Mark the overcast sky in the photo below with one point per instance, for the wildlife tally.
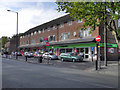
(31, 14)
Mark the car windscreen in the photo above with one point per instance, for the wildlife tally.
(52, 54)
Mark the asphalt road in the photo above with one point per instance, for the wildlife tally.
(17, 74)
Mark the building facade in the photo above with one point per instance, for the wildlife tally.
(64, 36)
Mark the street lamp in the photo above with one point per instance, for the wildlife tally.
(16, 32)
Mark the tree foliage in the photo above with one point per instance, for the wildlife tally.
(93, 13)
(4, 40)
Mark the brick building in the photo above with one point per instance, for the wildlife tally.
(65, 35)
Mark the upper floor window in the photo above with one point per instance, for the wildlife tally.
(31, 34)
(61, 25)
(33, 41)
(27, 42)
(43, 30)
(35, 32)
(119, 23)
(48, 29)
(69, 23)
(51, 38)
(84, 33)
(41, 39)
(79, 21)
(54, 27)
(65, 36)
(22, 43)
(21, 37)
(39, 31)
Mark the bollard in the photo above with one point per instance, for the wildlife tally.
(96, 65)
(39, 59)
(26, 58)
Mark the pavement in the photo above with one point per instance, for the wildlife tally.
(89, 66)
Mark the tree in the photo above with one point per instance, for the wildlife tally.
(94, 13)
(4, 40)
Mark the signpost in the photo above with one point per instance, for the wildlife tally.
(92, 50)
(47, 44)
(98, 39)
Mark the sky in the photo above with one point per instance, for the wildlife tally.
(30, 14)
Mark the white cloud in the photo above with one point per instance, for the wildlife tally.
(30, 15)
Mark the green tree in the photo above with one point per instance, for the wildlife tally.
(4, 40)
(94, 13)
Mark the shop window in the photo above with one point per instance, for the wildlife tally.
(68, 50)
(65, 36)
(82, 50)
(86, 56)
(86, 50)
(51, 38)
(62, 50)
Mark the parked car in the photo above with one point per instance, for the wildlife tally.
(70, 57)
(38, 54)
(29, 54)
(50, 56)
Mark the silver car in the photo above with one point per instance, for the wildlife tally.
(50, 56)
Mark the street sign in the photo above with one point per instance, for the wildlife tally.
(98, 38)
(92, 48)
(47, 43)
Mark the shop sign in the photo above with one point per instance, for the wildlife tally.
(92, 48)
(110, 50)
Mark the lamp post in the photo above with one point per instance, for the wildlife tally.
(16, 32)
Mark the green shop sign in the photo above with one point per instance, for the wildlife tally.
(81, 45)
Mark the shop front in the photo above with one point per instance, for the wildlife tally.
(89, 50)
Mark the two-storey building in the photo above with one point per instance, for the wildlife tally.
(64, 36)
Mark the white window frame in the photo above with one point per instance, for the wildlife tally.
(35, 32)
(42, 39)
(61, 25)
(54, 27)
(69, 23)
(39, 31)
(32, 41)
(26, 42)
(43, 30)
(78, 21)
(48, 29)
(53, 36)
(64, 37)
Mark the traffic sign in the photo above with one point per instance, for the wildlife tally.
(98, 38)
(47, 43)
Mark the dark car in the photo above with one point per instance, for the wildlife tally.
(70, 57)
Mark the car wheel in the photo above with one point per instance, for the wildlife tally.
(62, 59)
(73, 60)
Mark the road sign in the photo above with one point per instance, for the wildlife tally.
(92, 48)
(47, 43)
(98, 38)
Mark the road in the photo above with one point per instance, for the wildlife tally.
(17, 74)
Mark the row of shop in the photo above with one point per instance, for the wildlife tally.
(89, 50)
